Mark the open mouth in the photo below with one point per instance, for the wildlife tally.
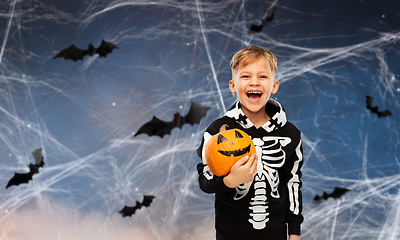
(238, 152)
(254, 95)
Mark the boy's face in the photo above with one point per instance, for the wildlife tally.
(253, 85)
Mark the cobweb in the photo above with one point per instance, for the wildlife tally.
(84, 114)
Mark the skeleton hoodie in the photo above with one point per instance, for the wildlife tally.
(270, 206)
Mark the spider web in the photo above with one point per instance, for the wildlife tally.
(84, 114)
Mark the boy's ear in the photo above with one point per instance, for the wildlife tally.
(232, 86)
(275, 87)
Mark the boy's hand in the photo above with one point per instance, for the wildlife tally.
(242, 171)
(294, 237)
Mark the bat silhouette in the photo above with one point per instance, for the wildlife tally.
(129, 211)
(160, 128)
(20, 178)
(384, 113)
(264, 22)
(76, 54)
(337, 193)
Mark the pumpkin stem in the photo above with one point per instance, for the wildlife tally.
(223, 128)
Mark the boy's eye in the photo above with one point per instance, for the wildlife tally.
(245, 76)
(263, 76)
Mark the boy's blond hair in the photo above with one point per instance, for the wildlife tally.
(251, 54)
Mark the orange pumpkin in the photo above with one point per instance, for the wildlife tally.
(226, 148)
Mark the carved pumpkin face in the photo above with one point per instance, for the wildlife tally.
(226, 148)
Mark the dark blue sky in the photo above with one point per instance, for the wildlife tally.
(331, 54)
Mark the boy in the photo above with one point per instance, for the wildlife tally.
(260, 198)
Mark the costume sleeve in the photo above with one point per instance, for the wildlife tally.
(292, 174)
(208, 182)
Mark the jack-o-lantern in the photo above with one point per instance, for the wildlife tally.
(227, 147)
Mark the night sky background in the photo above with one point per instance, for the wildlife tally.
(83, 114)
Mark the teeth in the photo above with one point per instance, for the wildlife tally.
(256, 94)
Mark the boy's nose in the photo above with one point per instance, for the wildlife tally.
(254, 81)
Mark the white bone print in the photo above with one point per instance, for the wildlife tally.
(270, 156)
(259, 204)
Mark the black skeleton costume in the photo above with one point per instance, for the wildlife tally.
(270, 206)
